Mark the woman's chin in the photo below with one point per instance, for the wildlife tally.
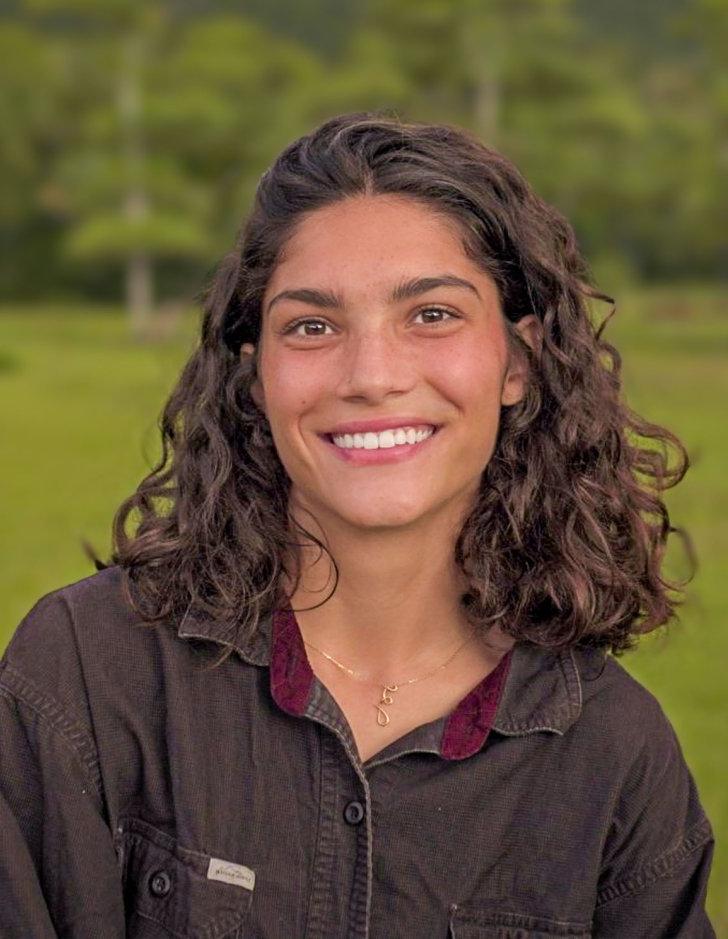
(382, 517)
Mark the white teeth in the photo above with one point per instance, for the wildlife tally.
(383, 440)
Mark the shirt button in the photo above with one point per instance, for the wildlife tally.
(354, 812)
(160, 883)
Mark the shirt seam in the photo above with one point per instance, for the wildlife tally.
(16, 687)
(662, 866)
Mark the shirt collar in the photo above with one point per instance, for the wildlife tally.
(532, 689)
(543, 691)
(255, 649)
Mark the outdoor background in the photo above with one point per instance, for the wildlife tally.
(133, 135)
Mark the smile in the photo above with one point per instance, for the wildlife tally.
(387, 446)
(385, 439)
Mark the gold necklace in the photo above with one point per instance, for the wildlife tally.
(387, 689)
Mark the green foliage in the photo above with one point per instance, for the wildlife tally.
(632, 152)
(30, 120)
(158, 119)
(108, 238)
(171, 123)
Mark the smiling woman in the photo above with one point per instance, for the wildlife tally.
(402, 346)
(400, 492)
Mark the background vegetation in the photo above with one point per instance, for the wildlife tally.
(133, 137)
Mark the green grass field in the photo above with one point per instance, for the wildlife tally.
(79, 404)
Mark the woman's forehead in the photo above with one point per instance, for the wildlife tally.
(382, 238)
(373, 207)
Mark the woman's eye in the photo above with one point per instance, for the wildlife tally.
(439, 311)
(294, 327)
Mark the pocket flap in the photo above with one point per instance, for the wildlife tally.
(470, 922)
(176, 887)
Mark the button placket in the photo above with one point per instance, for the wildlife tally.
(341, 773)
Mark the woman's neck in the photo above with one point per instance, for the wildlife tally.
(397, 601)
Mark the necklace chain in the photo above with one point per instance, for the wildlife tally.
(388, 688)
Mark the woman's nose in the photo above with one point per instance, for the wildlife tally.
(375, 363)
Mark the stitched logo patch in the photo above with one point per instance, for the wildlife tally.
(229, 873)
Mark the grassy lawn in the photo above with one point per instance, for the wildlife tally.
(79, 403)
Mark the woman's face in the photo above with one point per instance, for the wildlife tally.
(358, 335)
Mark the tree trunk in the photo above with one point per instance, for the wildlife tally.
(139, 294)
(139, 265)
(484, 47)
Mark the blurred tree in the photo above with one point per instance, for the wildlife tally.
(35, 127)
(321, 25)
(175, 118)
(690, 98)
(524, 77)
(578, 113)
(134, 134)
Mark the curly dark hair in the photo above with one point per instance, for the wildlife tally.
(565, 542)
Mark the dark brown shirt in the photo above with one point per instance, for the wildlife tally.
(144, 796)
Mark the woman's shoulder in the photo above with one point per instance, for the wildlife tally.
(81, 629)
(622, 716)
(624, 735)
(657, 820)
(580, 690)
(54, 623)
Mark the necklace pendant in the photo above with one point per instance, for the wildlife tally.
(382, 716)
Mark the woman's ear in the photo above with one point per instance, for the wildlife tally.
(247, 351)
(515, 383)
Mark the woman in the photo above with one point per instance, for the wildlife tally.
(401, 495)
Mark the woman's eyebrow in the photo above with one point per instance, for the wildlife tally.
(320, 298)
(406, 289)
(418, 285)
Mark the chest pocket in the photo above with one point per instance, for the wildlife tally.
(474, 923)
(166, 885)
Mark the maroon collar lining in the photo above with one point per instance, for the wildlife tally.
(291, 680)
(468, 726)
(291, 676)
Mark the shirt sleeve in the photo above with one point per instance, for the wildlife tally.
(59, 874)
(659, 849)
(662, 902)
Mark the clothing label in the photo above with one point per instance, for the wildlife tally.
(230, 873)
